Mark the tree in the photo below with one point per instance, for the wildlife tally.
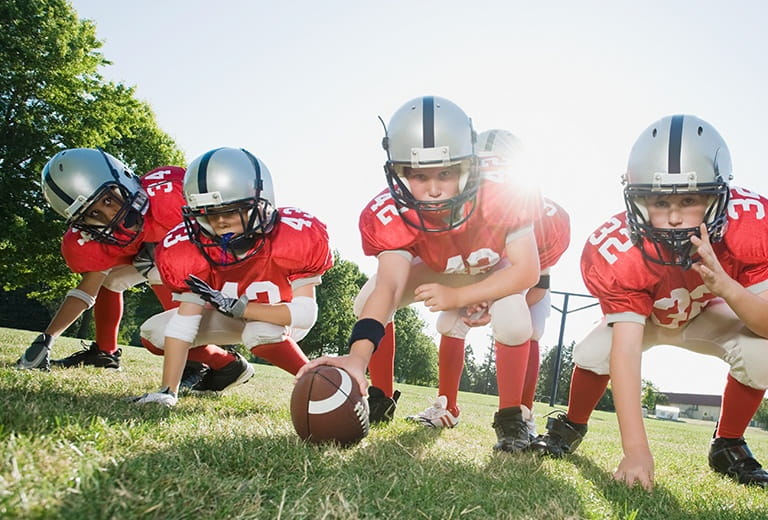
(335, 319)
(52, 97)
(415, 353)
(546, 376)
(651, 395)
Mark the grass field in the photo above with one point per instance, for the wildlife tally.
(72, 448)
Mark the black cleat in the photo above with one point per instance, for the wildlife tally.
(37, 355)
(235, 373)
(194, 372)
(562, 437)
(382, 408)
(733, 457)
(90, 356)
(511, 430)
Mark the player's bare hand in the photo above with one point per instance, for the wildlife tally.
(709, 268)
(436, 297)
(636, 469)
(476, 315)
(355, 366)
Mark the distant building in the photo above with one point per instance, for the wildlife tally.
(695, 406)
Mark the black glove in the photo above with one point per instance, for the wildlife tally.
(233, 307)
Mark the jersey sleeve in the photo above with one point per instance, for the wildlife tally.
(614, 272)
(176, 258)
(303, 245)
(382, 228)
(165, 189)
(84, 255)
(746, 236)
(553, 233)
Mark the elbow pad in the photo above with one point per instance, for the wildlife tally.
(303, 311)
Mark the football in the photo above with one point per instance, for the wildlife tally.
(327, 407)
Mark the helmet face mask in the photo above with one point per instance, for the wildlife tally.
(677, 155)
(224, 181)
(76, 181)
(430, 132)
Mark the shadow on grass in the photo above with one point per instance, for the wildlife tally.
(395, 473)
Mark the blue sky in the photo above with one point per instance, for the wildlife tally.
(300, 84)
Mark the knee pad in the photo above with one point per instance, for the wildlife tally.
(258, 333)
(449, 323)
(123, 277)
(539, 313)
(153, 330)
(511, 320)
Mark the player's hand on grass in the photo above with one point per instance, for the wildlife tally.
(232, 307)
(354, 365)
(636, 469)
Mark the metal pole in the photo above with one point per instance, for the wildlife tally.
(559, 355)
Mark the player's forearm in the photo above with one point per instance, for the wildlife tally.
(175, 357)
(278, 314)
(751, 308)
(497, 285)
(626, 386)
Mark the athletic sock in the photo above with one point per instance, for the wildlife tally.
(531, 375)
(586, 390)
(107, 313)
(740, 402)
(286, 355)
(450, 366)
(381, 368)
(511, 363)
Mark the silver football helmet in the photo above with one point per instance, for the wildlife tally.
(676, 155)
(225, 180)
(499, 152)
(426, 132)
(75, 180)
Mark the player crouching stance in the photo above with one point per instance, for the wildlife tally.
(243, 270)
(444, 236)
(685, 265)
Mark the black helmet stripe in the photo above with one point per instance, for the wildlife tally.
(259, 184)
(428, 121)
(202, 171)
(490, 141)
(57, 190)
(675, 144)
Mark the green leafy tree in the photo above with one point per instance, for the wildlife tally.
(416, 353)
(651, 395)
(546, 374)
(335, 319)
(53, 97)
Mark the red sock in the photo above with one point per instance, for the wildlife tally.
(586, 390)
(740, 402)
(212, 355)
(149, 346)
(451, 366)
(511, 362)
(382, 365)
(531, 375)
(164, 296)
(107, 313)
(286, 355)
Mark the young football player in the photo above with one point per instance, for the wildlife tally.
(115, 218)
(445, 237)
(499, 152)
(243, 270)
(685, 265)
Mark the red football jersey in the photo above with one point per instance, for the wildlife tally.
(298, 247)
(616, 272)
(553, 233)
(164, 187)
(474, 247)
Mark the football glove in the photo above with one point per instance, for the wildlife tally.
(232, 307)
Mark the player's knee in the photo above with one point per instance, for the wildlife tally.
(152, 331)
(258, 333)
(449, 323)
